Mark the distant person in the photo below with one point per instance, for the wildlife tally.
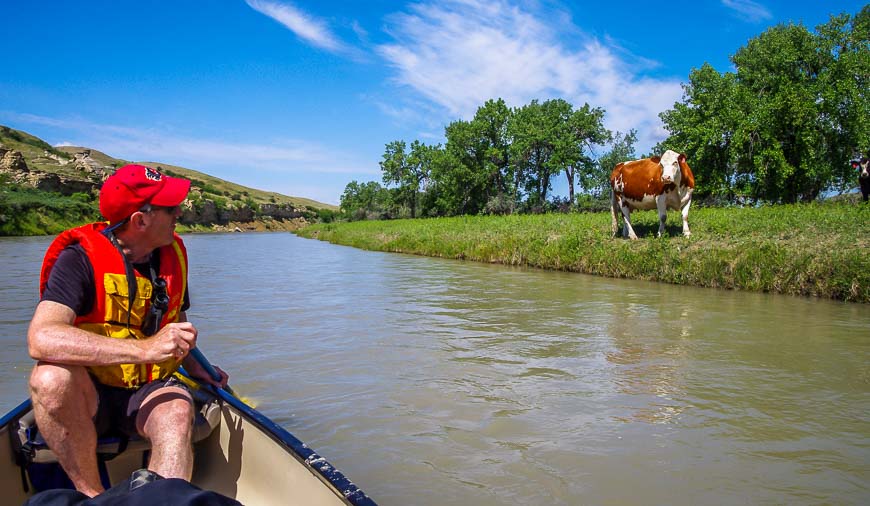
(862, 166)
(110, 330)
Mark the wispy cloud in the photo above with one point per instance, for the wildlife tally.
(285, 156)
(305, 26)
(460, 53)
(748, 10)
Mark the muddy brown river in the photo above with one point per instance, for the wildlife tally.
(431, 382)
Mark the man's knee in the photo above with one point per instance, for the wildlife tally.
(180, 409)
(168, 409)
(53, 379)
(54, 385)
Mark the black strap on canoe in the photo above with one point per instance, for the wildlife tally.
(23, 457)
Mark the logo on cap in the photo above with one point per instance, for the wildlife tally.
(153, 174)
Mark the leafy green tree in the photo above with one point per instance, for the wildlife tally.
(843, 90)
(784, 125)
(474, 168)
(782, 67)
(407, 170)
(421, 160)
(460, 172)
(349, 200)
(359, 200)
(396, 171)
(704, 126)
(532, 130)
(576, 149)
(443, 191)
(490, 125)
(550, 138)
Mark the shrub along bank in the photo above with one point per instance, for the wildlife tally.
(28, 211)
(817, 249)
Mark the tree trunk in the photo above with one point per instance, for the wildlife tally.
(569, 173)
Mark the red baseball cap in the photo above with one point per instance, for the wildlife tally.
(132, 186)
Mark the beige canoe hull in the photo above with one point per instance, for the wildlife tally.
(246, 457)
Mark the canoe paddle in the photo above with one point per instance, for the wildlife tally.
(200, 358)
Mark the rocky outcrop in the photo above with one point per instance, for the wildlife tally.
(265, 224)
(12, 161)
(58, 184)
(55, 158)
(280, 211)
(83, 162)
(206, 211)
(237, 211)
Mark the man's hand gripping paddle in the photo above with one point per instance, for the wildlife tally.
(205, 364)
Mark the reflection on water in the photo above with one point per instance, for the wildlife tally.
(652, 343)
(441, 382)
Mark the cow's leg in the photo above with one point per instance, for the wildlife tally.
(627, 230)
(614, 223)
(662, 206)
(685, 213)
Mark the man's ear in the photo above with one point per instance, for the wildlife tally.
(138, 220)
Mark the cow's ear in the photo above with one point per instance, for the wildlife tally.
(681, 158)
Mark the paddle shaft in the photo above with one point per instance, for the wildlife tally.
(202, 361)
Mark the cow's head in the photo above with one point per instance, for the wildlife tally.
(863, 167)
(670, 162)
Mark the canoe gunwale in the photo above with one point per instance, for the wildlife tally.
(16, 412)
(306, 455)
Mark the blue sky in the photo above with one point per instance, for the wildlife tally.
(300, 97)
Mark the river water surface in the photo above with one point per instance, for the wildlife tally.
(430, 381)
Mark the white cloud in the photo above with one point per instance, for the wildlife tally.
(461, 53)
(284, 156)
(748, 10)
(293, 167)
(310, 29)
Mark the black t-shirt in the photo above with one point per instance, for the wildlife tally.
(71, 281)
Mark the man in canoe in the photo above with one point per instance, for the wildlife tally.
(110, 330)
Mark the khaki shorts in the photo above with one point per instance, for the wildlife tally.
(118, 407)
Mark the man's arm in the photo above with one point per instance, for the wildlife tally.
(52, 337)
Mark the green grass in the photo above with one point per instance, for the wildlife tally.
(27, 211)
(808, 249)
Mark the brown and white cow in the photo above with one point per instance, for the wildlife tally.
(651, 183)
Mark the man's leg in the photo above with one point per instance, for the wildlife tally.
(166, 419)
(65, 402)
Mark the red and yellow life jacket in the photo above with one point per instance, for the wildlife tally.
(112, 308)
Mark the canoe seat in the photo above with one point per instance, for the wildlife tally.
(33, 449)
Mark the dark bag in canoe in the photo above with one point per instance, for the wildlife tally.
(141, 489)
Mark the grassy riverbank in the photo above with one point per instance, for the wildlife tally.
(820, 250)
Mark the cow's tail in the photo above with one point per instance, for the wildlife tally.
(614, 225)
